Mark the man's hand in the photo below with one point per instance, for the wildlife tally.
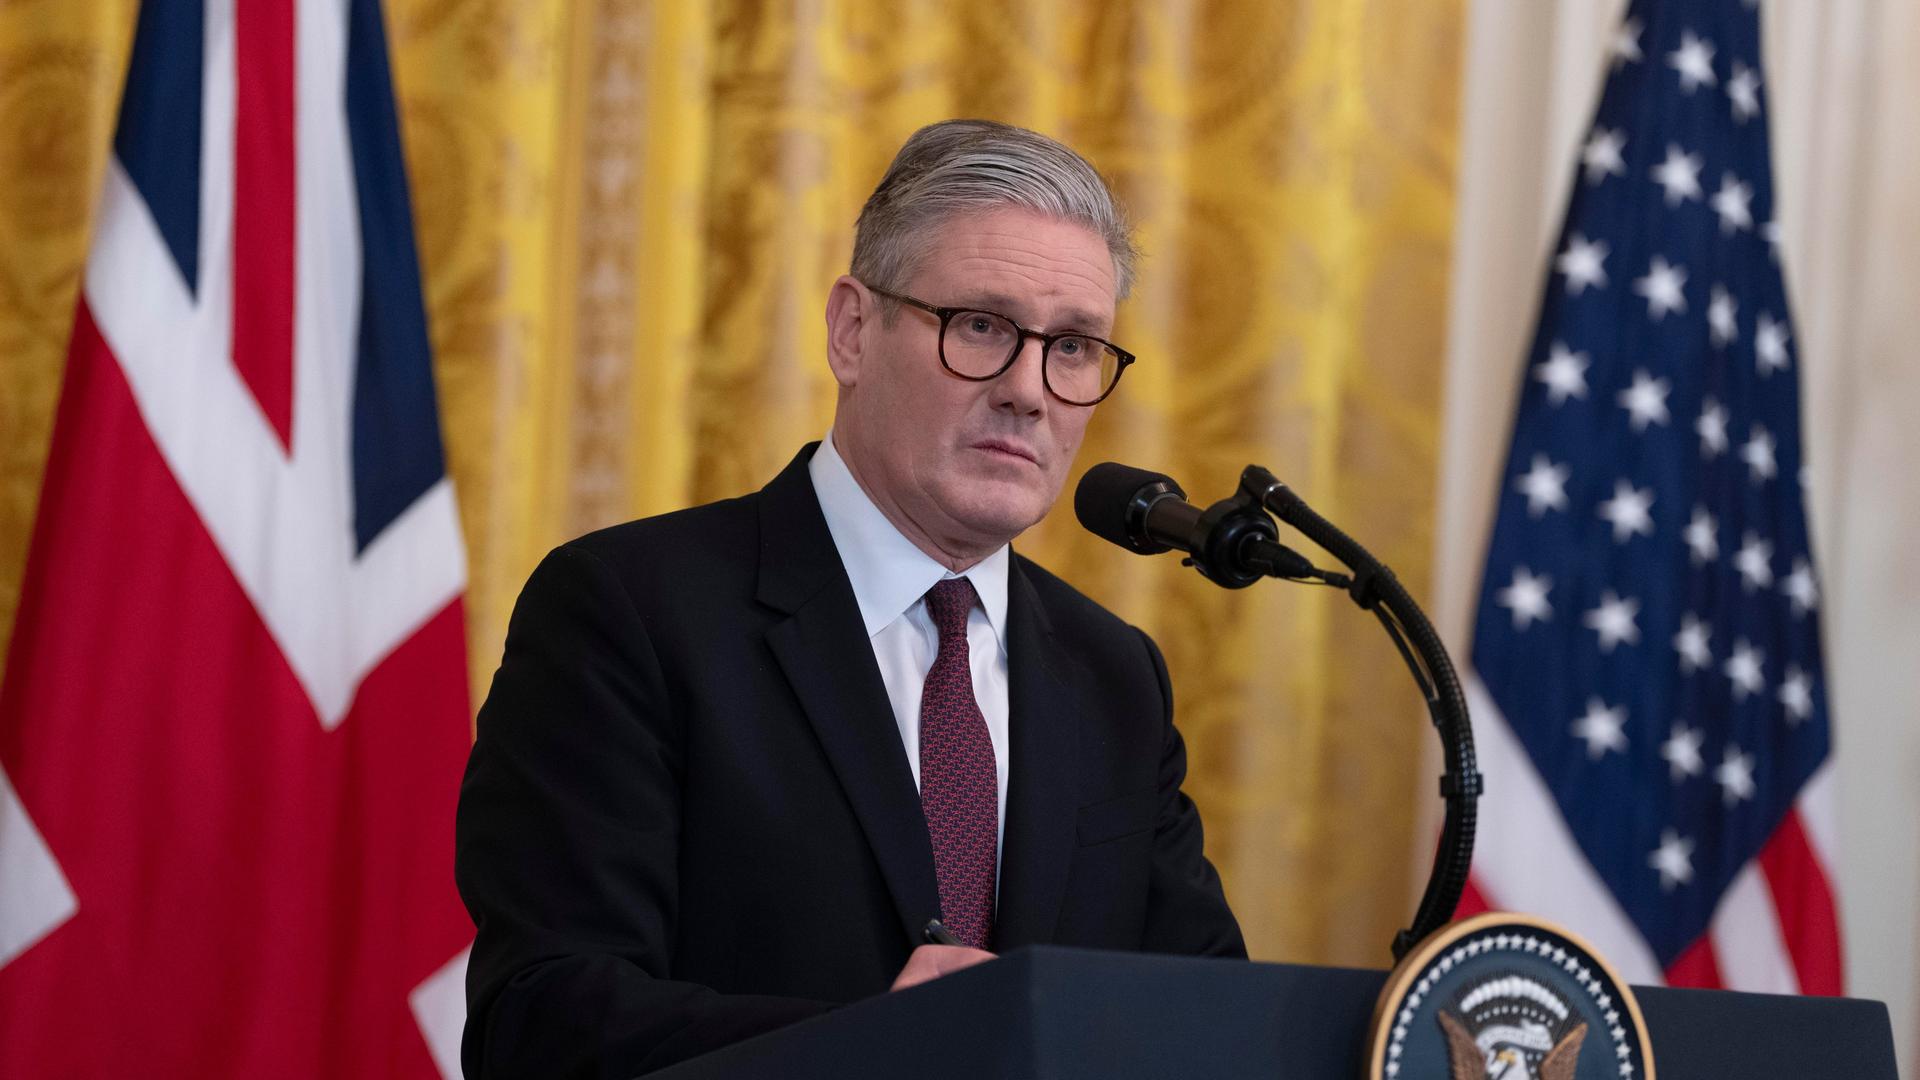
(929, 962)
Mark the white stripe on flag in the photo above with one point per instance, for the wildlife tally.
(327, 279)
(439, 1006)
(1817, 805)
(1746, 938)
(34, 895)
(1526, 857)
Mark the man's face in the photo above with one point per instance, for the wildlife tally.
(966, 466)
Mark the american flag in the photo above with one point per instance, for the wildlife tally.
(234, 713)
(1646, 666)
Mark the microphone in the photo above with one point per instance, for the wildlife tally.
(1144, 512)
(1232, 542)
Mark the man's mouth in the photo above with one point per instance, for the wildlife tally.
(1007, 448)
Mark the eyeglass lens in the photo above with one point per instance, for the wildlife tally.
(979, 343)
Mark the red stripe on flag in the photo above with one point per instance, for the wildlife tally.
(1699, 966)
(263, 207)
(1472, 901)
(257, 895)
(1803, 899)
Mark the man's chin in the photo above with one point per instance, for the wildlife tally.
(998, 512)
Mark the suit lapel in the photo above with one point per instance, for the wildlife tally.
(1043, 780)
(821, 647)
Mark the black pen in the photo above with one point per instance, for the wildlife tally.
(937, 933)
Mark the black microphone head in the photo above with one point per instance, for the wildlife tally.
(1111, 503)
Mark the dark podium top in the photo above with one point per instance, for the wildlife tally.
(1053, 1012)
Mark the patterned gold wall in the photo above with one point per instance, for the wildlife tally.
(630, 211)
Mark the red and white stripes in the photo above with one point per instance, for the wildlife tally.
(1776, 930)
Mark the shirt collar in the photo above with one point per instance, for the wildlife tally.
(889, 574)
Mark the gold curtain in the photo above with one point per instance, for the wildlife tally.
(629, 213)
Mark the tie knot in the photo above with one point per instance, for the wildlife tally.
(949, 603)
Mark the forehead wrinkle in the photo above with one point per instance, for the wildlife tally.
(1044, 288)
(1025, 244)
(1029, 261)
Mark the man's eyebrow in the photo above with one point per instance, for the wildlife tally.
(1004, 304)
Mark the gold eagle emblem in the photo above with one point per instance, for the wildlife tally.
(1473, 1061)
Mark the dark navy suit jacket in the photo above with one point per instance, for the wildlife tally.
(688, 817)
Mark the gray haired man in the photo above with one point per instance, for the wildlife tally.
(736, 759)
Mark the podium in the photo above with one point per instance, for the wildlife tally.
(1047, 1012)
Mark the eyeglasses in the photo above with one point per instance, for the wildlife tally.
(1079, 369)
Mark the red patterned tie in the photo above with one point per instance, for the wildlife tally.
(959, 789)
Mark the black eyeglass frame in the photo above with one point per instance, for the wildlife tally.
(1046, 340)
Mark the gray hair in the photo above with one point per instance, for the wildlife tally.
(965, 166)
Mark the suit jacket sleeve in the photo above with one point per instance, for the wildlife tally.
(567, 839)
(1187, 910)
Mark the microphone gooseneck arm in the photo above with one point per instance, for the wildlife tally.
(1235, 543)
(1374, 588)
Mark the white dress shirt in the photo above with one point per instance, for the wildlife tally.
(890, 581)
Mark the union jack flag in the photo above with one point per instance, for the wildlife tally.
(1646, 651)
(235, 707)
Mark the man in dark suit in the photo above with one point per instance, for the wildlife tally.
(736, 758)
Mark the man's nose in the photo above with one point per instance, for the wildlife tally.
(1022, 388)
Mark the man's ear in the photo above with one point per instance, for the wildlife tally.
(852, 310)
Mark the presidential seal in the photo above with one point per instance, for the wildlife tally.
(1507, 997)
